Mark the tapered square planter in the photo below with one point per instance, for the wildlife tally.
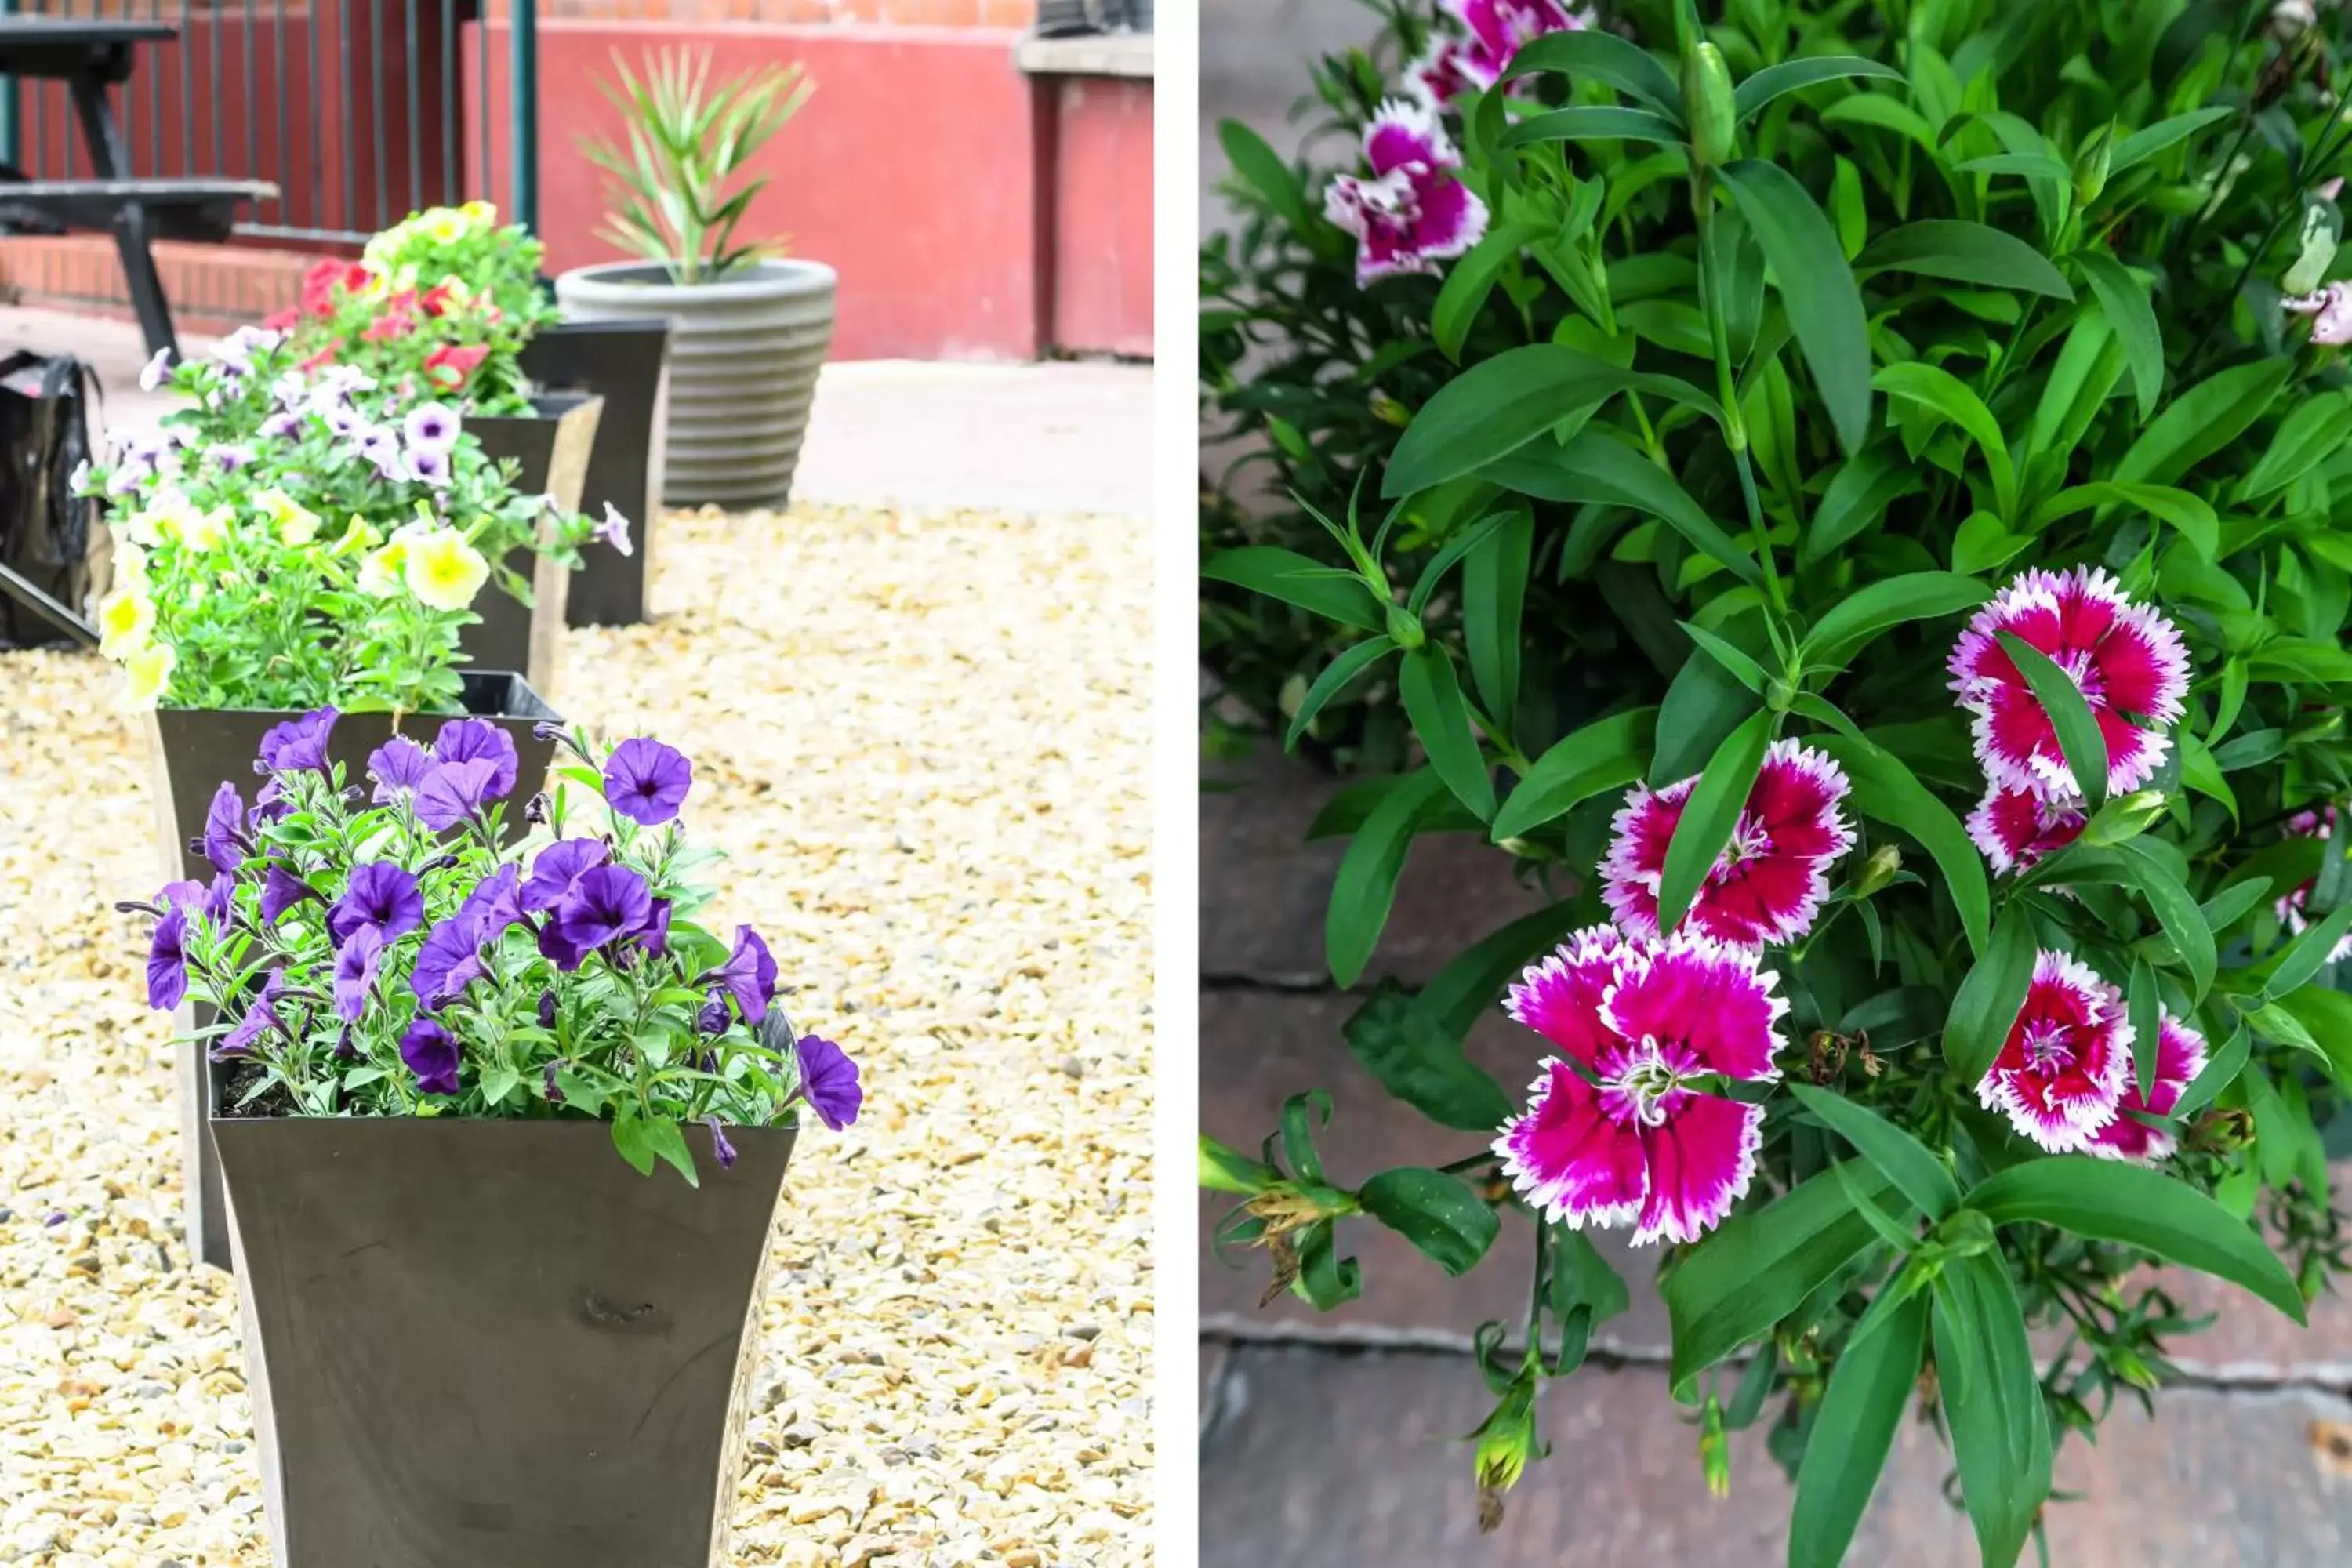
(625, 362)
(192, 749)
(553, 448)
(493, 1344)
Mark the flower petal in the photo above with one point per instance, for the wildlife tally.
(1568, 1158)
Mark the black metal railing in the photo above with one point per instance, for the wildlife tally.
(358, 111)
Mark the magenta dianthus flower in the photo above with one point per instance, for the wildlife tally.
(2061, 1074)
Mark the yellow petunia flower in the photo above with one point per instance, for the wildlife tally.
(357, 536)
(482, 212)
(380, 574)
(443, 226)
(444, 571)
(297, 523)
(150, 670)
(124, 621)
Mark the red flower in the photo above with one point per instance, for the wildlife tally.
(325, 356)
(397, 321)
(283, 321)
(436, 299)
(327, 276)
(448, 366)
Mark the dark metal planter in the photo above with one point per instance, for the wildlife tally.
(193, 750)
(493, 1344)
(552, 447)
(626, 363)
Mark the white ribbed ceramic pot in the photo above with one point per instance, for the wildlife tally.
(744, 360)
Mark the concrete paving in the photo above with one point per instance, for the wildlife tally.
(1064, 437)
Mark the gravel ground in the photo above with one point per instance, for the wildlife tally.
(925, 741)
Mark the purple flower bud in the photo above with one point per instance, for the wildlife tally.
(280, 891)
(554, 1095)
(547, 1013)
(723, 1150)
(714, 1018)
(749, 974)
(225, 842)
(344, 1050)
(432, 1054)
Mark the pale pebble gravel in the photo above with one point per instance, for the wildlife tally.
(925, 741)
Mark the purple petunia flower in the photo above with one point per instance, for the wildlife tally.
(280, 890)
(451, 958)
(614, 530)
(454, 792)
(829, 1081)
(299, 745)
(153, 374)
(426, 466)
(428, 425)
(645, 781)
(560, 866)
(382, 447)
(282, 426)
(398, 767)
(479, 741)
(224, 840)
(341, 420)
(220, 899)
(749, 974)
(167, 959)
(381, 895)
(355, 965)
(432, 1054)
(720, 1149)
(607, 903)
(262, 1015)
(229, 459)
(714, 1017)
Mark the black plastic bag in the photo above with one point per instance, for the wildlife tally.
(44, 529)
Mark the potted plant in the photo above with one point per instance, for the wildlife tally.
(504, 1130)
(1957, 938)
(749, 327)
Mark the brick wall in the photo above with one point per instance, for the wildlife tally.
(1011, 15)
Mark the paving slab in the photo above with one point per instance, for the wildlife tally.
(1063, 436)
(1329, 1459)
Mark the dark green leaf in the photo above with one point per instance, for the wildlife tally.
(1594, 123)
(1964, 253)
(2306, 953)
(1852, 1433)
(1365, 887)
(1494, 594)
(1438, 1214)
(1754, 1269)
(2138, 1206)
(1459, 995)
(2146, 1012)
(1497, 405)
(1433, 700)
(1856, 497)
(2141, 145)
(2124, 298)
(1597, 55)
(1988, 1002)
(2314, 430)
(1816, 286)
(1418, 1062)
(2203, 420)
(1793, 76)
(1907, 1162)
(1353, 662)
(1326, 1279)
(1709, 814)
(1596, 467)
(2070, 716)
(2176, 912)
(1263, 170)
(1703, 706)
(629, 1137)
(1603, 755)
(1851, 623)
(1992, 1404)
(1299, 580)
(662, 1136)
(1884, 790)
(2220, 1073)
(1470, 281)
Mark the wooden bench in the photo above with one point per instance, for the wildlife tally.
(137, 213)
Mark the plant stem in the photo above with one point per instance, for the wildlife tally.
(1536, 1293)
(1735, 426)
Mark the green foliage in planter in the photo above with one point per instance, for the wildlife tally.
(688, 140)
(1920, 342)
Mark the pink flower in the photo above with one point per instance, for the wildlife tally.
(1616, 1134)
(2063, 1071)
(2015, 827)
(1413, 212)
(2331, 313)
(2126, 659)
(2292, 910)
(1497, 28)
(1439, 77)
(2179, 1058)
(1768, 884)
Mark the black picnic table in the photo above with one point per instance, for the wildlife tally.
(90, 55)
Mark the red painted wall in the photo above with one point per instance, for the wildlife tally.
(1100, 185)
(910, 171)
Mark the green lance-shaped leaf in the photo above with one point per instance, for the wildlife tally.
(1594, 466)
(1350, 663)
(1704, 704)
(1992, 1404)
(1885, 791)
(1989, 1000)
(1760, 88)
(1597, 55)
(2124, 298)
(1816, 286)
(2305, 955)
(1365, 887)
(1964, 252)
(1907, 1161)
(1299, 580)
(1498, 405)
(1849, 624)
(1757, 1267)
(2146, 1010)
(1493, 598)
(1603, 755)
(2175, 910)
(1261, 168)
(1942, 393)
(1709, 814)
(1472, 980)
(1599, 122)
(1433, 700)
(1439, 1213)
(1416, 1058)
(2142, 145)
(1852, 1433)
(2138, 1206)
(2203, 420)
(2071, 717)
(1471, 279)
